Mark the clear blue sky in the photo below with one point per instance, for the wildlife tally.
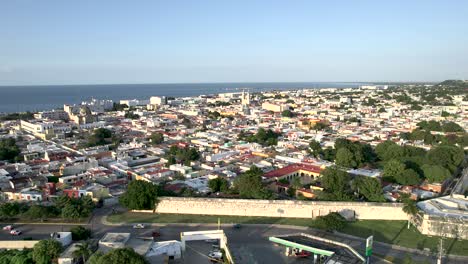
(99, 41)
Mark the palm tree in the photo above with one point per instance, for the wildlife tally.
(83, 250)
(410, 208)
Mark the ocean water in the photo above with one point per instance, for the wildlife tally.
(37, 98)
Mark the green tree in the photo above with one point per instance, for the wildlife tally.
(36, 211)
(329, 154)
(388, 150)
(119, 256)
(287, 113)
(80, 233)
(47, 251)
(330, 222)
(393, 169)
(447, 156)
(140, 195)
(321, 126)
(218, 185)
(291, 192)
(15, 256)
(452, 127)
(409, 207)
(296, 183)
(249, 185)
(368, 187)
(157, 138)
(336, 182)
(100, 136)
(83, 251)
(408, 177)
(345, 158)
(75, 208)
(131, 115)
(9, 210)
(435, 173)
(315, 148)
(9, 150)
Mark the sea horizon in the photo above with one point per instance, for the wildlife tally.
(22, 98)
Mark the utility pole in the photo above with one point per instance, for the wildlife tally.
(441, 252)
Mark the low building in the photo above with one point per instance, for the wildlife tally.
(112, 241)
(305, 172)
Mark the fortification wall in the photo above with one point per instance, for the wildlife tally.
(280, 208)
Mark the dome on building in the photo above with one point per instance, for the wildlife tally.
(84, 111)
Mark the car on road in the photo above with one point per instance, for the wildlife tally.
(139, 226)
(15, 232)
(236, 226)
(8, 228)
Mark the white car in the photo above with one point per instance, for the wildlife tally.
(15, 232)
(8, 227)
(215, 255)
(139, 226)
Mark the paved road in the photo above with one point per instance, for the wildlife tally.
(249, 244)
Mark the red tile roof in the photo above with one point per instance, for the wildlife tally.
(292, 168)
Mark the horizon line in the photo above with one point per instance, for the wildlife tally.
(162, 83)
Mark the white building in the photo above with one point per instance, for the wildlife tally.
(158, 100)
(52, 115)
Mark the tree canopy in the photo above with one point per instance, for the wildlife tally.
(100, 136)
(46, 251)
(218, 184)
(354, 154)
(287, 113)
(249, 185)
(435, 173)
(447, 156)
(118, 256)
(9, 150)
(15, 256)
(369, 188)
(330, 222)
(336, 183)
(183, 155)
(140, 195)
(157, 138)
(345, 158)
(315, 148)
(393, 169)
(263, 137)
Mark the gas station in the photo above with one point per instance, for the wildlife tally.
(320, 249)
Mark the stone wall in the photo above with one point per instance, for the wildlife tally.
(17, 244)
(279, 208)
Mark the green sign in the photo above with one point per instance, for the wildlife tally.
(369, 242)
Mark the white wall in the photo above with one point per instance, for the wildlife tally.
(279, 208)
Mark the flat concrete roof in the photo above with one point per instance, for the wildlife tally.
(115, 238)
(340, 254)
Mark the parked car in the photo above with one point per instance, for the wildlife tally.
(139, 226)
(301, 253)
(215, 255)
(15, 232)
(8, 227)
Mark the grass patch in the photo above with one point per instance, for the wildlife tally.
(130, 217)
(396, 232)
(391, 232)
